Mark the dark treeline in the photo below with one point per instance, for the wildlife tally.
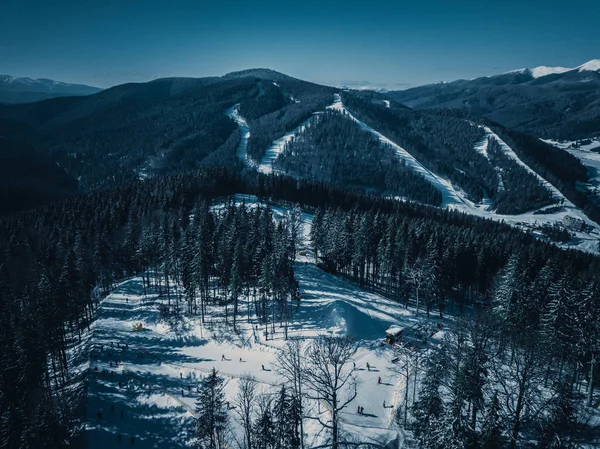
(333, 148)
(264, 99)
(523, 364)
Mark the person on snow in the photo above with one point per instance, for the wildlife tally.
(222, 357)
(379, 380)
(368, 367)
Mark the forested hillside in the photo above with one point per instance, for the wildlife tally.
(562, 106)
(56, 257)
(335, 149)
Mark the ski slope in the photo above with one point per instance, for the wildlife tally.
(276, 148)
(508, 152)
(241, 152)
(450, 196)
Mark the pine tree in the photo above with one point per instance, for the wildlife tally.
(428, 411)
(212, 418)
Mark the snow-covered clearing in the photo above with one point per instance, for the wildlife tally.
(152, 398)
(147, 389)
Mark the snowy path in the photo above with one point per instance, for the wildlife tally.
(450, 196)
(241, 152)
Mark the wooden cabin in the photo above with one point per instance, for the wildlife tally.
(393, 334)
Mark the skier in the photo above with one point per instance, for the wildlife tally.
(182, 392)
(240, 360)
(263, 367)
(383, 404)
(222, 357)
(181, 375)
(358, 409)
(362, 410)
(379, 380)
(368, 366)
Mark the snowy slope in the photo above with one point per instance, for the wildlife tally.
(508, 151)
(234, 113)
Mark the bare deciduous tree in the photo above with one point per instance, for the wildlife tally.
(290, 365)
(329, 376)
(245, 401)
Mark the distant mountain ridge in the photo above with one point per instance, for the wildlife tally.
(538, 72)
(548, 102)
(25, 90)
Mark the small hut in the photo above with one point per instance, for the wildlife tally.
(393, 334)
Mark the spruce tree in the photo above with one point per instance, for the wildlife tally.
(212, 418)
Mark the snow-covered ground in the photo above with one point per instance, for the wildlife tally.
(142, 383)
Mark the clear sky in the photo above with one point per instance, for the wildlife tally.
(388, 43)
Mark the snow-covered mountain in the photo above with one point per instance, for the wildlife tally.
(24, 90)
(541, 71)
(549, 102)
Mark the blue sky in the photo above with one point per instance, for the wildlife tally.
(388, 43)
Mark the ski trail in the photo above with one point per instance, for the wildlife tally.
(482, 148)
(276, 148)
(450, 196)
(508, 152)
(241, 152)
